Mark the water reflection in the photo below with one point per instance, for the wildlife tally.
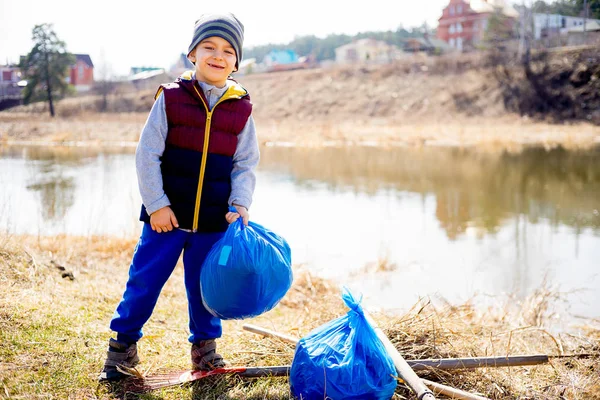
(56, 196)
(473, 190)
(51, 190)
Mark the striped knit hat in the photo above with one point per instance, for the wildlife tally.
(225, 26)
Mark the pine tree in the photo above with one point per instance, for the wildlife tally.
(45, 67)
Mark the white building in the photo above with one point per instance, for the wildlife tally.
(590, 36)
(366, 50)
(545, 25)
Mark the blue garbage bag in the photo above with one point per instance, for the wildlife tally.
(343, 359)
(246, 273)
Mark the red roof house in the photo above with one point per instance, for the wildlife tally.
(463, 22)
(82, 73)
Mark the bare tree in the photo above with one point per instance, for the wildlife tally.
(105, 83)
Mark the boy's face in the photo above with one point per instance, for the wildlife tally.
(215, 60)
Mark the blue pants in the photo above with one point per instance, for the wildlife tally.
(154, 260)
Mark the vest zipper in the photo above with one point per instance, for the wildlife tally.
(204, 156)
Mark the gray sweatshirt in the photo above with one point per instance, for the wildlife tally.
(152, 145)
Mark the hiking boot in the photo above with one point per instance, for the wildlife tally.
(205, 356)
(118, 354)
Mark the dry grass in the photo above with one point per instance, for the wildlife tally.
(487, 133)
(54, 331)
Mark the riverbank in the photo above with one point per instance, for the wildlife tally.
(345, 106)
(60, 292)
(507, 133)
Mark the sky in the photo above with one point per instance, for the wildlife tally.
(122, 34)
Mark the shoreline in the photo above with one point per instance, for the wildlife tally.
(509, 133)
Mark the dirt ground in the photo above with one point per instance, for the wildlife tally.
(368, 105)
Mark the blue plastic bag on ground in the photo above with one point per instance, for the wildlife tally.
(343, 359)
(246, 273)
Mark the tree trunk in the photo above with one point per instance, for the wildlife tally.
(104, 96)
(49, 87)
(50, 103)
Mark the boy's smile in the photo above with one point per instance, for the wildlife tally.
(215, 60)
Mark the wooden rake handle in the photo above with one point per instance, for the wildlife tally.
(445, 363)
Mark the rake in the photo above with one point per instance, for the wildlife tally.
(140, 384)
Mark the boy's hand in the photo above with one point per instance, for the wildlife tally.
(163, 220)
(241, 211)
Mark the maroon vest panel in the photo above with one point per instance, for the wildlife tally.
(186, 116)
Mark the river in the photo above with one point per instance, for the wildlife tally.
(397, 224)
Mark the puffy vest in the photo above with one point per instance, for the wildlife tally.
(199, 189)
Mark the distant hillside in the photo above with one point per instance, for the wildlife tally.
(559, 87)
(377, 92)
(424, 88)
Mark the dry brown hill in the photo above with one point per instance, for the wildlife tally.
(416, 102)
(365, 93)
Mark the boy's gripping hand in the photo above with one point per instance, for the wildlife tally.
(241, 211)
(163, 220)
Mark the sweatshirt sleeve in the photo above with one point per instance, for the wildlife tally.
(245, 160)
(147, 158)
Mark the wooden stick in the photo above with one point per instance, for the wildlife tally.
(478, 362)
(451, 392)
(267, 332)
(404, 370)
(443, 363)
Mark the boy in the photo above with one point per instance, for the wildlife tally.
(196, 156)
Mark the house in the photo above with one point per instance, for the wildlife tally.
(9, 74)
(248, 66)
(280, 57)
(463, 23)
(366, 50)
(81, 74)
(148, 78)
(181, 65)
(426, 44)
(548, 25)
(11, 86)
(588, 34)
(285, 60)
(136, 70)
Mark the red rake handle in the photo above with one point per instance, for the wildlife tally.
(196, 375)
(248, 372)
(161, 381)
